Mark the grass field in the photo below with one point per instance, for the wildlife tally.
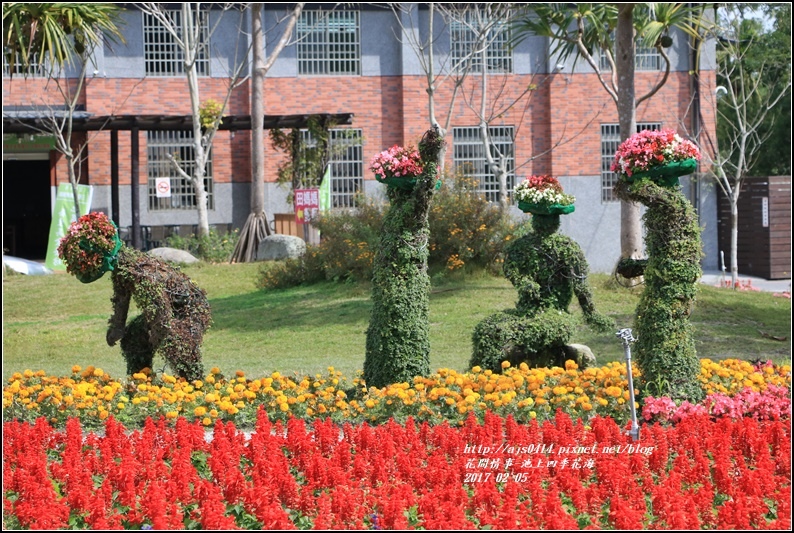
(54, 322)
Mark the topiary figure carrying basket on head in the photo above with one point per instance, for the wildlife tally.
(398, 343)
(650, 163)
(548, 270)
(175, 312)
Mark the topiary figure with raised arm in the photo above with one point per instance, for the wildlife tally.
(174, 311)
(649, 164)
(547, 269)
(398, 343)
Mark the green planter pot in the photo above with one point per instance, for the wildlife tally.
(406, 184)
(666, 175)
(545, 209)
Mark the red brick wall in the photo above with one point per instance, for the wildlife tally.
(579, 99)
(557, 125)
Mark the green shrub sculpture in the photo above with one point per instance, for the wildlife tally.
(665, 348)
(397, 340)
(174, 311)
(547, 269)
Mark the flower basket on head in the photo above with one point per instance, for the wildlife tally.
(90, 247)
(543, 195)
(397, 167)
(662, 156)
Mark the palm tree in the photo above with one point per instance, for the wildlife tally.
(55, 32)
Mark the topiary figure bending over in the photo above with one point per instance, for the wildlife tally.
(547, 269)
(665, 348)
(174, 311)
(398, 343)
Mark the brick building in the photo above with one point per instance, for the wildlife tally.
(353, 61)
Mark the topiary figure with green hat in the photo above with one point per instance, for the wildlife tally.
(174, 311)
(547, 269)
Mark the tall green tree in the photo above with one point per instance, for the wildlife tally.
(585, 31)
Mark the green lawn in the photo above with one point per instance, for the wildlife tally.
(54, 322)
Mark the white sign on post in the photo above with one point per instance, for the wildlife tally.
(162, 187)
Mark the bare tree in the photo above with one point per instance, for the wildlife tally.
(256, 225)
(193, 41)
(489, 99)
(742, 104)
(424, 48)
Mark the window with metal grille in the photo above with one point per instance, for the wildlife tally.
(346, 165)
(645, 57)
(33, 70)
(162, 54)
(465, 41)
(469, 158)
(610, 140)
(180, 145)
(329, 43)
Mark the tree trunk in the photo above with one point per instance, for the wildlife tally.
(735, 236)
(256, 226)
(630, 223)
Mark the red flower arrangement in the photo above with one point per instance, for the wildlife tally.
(90, 246)
(648, 149)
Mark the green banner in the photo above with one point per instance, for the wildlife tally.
(62, 216)
(325, 192)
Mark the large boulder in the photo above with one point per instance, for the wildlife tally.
(173, 255)
(581, 354)
(277, 247)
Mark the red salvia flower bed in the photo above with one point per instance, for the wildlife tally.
(699, 473)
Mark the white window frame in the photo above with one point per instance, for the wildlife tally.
(162, 56)
(33, 70)
(610, 141)
(463, 40)
(329, 43)
(468, 155)
(346, 164)
(183, 195)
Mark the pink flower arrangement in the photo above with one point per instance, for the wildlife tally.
(648, 149)
(87, 244)
(397, 162)
(772, 404)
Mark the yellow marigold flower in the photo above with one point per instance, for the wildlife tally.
(207, 421)
(76, 369)
(200, 411)
(505, 364)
